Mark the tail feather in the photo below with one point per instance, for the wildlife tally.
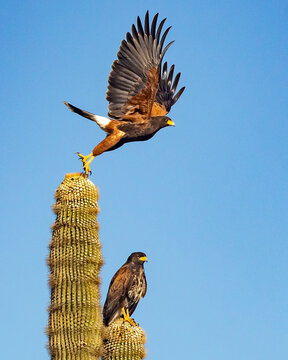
(83, 113)
(100, 120)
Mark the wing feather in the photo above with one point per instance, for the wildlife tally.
(165, 97)
(134, 79)
(117, 292)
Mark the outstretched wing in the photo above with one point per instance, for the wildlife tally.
(165, 97)
(117, 293)
(134, 78)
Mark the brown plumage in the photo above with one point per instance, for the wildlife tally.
(127, 287)
(140, 94)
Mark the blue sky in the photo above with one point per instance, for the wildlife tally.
(207, 200)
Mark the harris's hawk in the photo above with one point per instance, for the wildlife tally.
(140, 93)
(126, 288)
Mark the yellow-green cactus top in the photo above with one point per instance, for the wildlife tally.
(123, 341)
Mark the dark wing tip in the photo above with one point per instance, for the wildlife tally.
(160, 29)
(164, 37)
(166, 48)
(164, 71)
(170, 76)
(140, 27)
(146, 25)
(167, 87)
(175, 83)
(177, 96)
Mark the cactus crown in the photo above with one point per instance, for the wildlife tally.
(123, 341)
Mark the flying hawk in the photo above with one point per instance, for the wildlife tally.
(127, 287)
(140, 93)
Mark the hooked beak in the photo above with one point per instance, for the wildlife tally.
(143, 258)
(170, 123)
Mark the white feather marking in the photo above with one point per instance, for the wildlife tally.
(101, 121)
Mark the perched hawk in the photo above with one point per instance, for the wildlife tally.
(140, 94)
(127, 287)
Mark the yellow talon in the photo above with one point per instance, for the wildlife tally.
(86, 160)
(87, 169)
(127, 317)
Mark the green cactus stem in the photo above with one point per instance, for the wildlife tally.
(75, 323)
(123, 341)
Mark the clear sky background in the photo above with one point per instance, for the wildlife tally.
(207, 200)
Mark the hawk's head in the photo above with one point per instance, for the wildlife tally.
(162, 121)
(137, 258)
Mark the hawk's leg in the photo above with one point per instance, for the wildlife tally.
(127, 317)
(106, 144)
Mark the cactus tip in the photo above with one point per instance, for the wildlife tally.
(76, 174)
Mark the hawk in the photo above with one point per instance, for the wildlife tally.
(140, 91)
(126, 288)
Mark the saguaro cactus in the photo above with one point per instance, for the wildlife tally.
(123, 341)
(75, 323)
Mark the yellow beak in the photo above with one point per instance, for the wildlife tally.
(143, 258)
(170, 123)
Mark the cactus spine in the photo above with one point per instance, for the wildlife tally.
(123, 341)
(75, 323)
